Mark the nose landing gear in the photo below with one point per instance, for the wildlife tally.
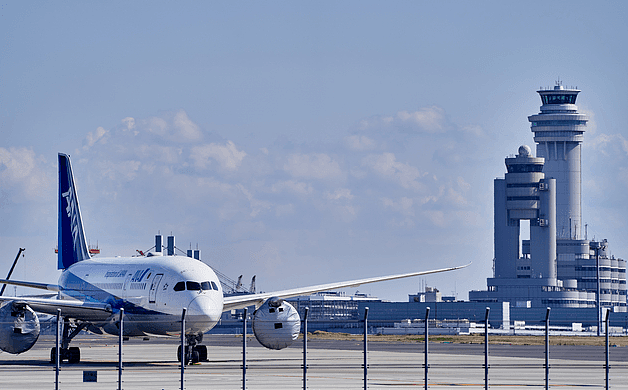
(194, 352)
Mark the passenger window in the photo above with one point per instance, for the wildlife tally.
(179, 286)
(193, 286)
(214, 285)
(206, 286)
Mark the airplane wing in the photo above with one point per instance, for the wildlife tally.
(87, 311)
(41, 286)
(242, 301)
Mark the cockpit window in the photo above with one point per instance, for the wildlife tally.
(179, 286)
(206, 286)
(214, 285)
(193, 286)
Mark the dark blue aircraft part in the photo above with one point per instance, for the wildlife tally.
(72, 245)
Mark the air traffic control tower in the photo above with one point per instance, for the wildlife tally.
(558, 266)
(558, 133)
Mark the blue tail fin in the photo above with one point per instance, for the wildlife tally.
(72, 245)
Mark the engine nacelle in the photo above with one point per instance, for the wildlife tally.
(276, 324)
(19, 328)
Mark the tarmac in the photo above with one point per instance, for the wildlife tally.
(331, 365)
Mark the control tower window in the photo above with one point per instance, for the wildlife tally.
(559, 99)
(522, 168)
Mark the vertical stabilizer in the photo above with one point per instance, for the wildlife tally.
(72, 244)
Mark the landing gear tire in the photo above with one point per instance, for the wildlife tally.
(194, 357)
(195, 354)
(202, 352)
(187, 356)
(74, 355)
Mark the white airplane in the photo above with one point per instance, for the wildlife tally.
(153, 290)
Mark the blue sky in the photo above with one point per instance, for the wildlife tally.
(301, 142)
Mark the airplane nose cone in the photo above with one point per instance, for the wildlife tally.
(200, 306)
(202, 314)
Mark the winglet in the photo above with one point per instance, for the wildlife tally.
(72, 244)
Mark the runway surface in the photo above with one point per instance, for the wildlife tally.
(331, 365)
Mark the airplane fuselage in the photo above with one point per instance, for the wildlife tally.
(152, 290)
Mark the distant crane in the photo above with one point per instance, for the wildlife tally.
(12, 268)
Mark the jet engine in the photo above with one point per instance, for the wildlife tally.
(276, 324)
(19, 327)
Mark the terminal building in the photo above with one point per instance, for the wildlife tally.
(558, 266)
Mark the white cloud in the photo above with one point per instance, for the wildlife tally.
(228, 156)
(474, 130)
(92, 138)
(317, 165)
(284, 209)
(436, 217)
(463, 184)
(613, 144)
(257, 206)
(23, 175)
(129, 123)
(404, 206)
(428, 119)
(122, 170)
(424, 120)
(186, 129)
(156, 125)
(296, 187)
(456, 198)
(386, 165)
(175, 127)
(339, 194)
(360, 142)
(152, 153)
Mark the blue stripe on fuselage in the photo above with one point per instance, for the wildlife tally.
(78, 288)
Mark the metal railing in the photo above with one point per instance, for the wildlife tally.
(373, 367)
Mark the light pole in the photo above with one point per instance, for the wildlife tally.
(597, 247)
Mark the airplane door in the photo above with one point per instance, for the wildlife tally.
(126, 282)
(152, 294)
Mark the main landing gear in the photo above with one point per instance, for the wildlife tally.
(194, 352)
(71, 354)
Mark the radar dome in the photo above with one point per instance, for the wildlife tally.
(524, 151)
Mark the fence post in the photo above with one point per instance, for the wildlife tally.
(183, 351)
(427, 315)
(57, 351)
(305, 348)
(120, 340)
(366, 313)
(607, 345)
(486, 348)
(244, 315)
(547, 349)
